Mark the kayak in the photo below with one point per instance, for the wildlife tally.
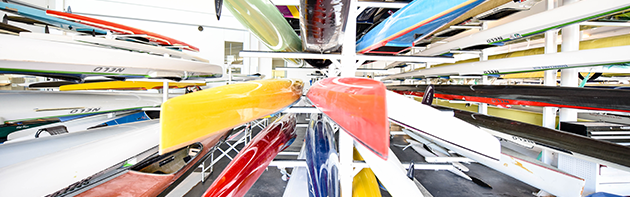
(210, 113)
(252, 160)
(358, 106)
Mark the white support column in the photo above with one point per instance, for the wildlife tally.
(348, 69)
(483, 107)
(569, 77)
(551, 76)
(164, 91)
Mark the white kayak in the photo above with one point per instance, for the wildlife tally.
(27, 105)
(66, 162)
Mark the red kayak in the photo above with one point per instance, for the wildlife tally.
(121, 29)
(251, 162)
(158, 175)
(358, 106)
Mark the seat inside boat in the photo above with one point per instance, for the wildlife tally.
(171, 162)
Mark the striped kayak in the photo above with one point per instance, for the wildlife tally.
(397, 33)
(121, 29)
(543, 96)
(126, 85)
(265, 21)
(252, 160)
(40, 15)
(212, 112)
(358, 106)
(322, 159)
(28, 105)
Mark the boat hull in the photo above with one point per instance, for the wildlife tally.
(397, 33)
(324, 23)
(40, 15)
(251, 161)
(358, 106)
(322, 159)
(543, 96)
(266, 22)
(126, 85)
(212, 112)
(121, 29)
(139, 183)
(26, 105)
(76, 164)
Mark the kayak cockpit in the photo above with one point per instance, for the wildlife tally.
(171, 162)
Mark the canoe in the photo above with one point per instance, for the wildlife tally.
(79, 124)
(66, 58)
(73, 163)
(358, 106)
(121, 29)
(253, 159)
(536, 24)
(609, 154)
(126, 85)
(113, 42)
(423, 119)
(322, 159)
(364, 183)
(40, 15)
(323, 24)
(157, 175)
(543, 96)
(266, 22)
(212, 112)
(28, 105)
(397, 33)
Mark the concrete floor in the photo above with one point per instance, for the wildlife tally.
(438, 183)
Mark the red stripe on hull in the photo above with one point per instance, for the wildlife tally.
(251, 162)
(358, 106)
(115, 27)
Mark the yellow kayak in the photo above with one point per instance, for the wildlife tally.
(212, 112)
(364, 183)
(126, 85)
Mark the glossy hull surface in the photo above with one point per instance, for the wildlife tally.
(323, 24)
(420, 17)
(26, 105)
(40, 15)
(364, 183)
(75, 164)
(322, 158)
(79, 124)
(457, 134)
(251, 161)
(265, 21)
(126, 85)
(544, 96)
(64, 58)
(358, 106)
(212, 112)
(121, 29)
(138, 183)
(611, 154)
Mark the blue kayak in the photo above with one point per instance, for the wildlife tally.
(321, 158)
(41, 15)
(420, 17)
